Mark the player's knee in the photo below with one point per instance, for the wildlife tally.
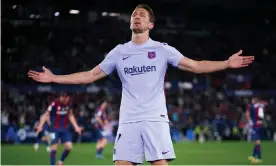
(104, 141)
(160, 162)
(68, 147)
(44, 138)
(121, 162)
(54, 147)
(258, 142)
(100, 143)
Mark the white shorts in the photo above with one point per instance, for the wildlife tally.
(149, 139)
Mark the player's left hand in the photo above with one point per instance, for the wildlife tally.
(38, 130)
(78, 130)
(238, 61)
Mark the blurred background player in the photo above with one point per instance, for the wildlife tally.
(43, 136)
(248, 130)
(60, 113)
(101, 125)
(255, 116)
(13, 128)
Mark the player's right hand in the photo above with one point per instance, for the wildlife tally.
(45, 76)
(78, 130)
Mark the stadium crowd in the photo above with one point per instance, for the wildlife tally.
(70, 43)
(211, 114)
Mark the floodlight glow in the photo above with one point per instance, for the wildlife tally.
(104, 13)
(74, 11)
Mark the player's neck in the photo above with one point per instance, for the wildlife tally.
(139, 38)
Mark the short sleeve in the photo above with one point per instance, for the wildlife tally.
(50, 107)
(109, 63)
(173, 56)
(99, 113)
(261, 112)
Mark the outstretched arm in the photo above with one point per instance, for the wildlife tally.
(235, 61)
(104, 68)
(76, 78)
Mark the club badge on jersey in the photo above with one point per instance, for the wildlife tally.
(151, 55)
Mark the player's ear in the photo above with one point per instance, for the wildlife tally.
(151, 25)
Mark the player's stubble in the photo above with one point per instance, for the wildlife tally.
(138, 30)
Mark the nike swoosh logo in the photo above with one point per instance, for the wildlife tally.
(165, 152)
(124, 58)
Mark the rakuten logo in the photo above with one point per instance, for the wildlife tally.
(139, 70)
(61, 112)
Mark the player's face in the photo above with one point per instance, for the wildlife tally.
(140, 21)
(104, 105)
(254, 100)
(67, 100)
(64, 99)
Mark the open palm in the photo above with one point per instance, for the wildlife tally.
(45, 76)
(238, 61)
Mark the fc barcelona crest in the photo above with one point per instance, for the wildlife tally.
(151, 55)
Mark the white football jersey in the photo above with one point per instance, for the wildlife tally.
(142, 69)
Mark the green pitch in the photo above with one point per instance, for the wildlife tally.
(211, 153)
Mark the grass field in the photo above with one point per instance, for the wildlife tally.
(210, 153)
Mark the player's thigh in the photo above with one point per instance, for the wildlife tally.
(128, 144)
(256, 135)
(103, 141)
(66, 137)
(55, 140)
(99, 136)
(55, 136)
(104, 135)
(157, 141)
(260, 136)
(160, 162)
